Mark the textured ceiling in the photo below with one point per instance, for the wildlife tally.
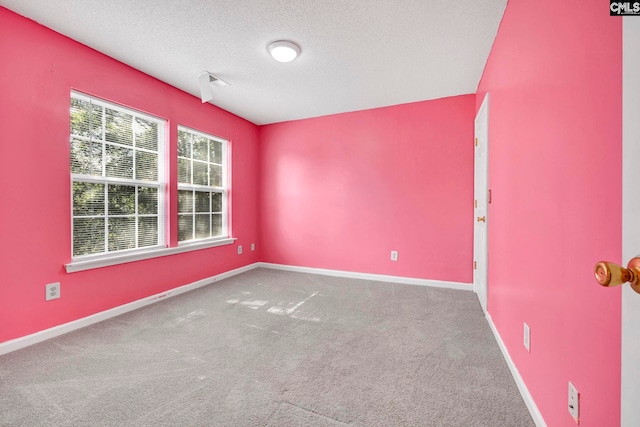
(356, 54)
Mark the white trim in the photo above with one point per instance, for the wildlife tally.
(630, 311)
(368, 276)
(123, 108)
(480, 177)
(105, 180)
(88, 264)
(524, 391)
(22, 342)
(192, 187)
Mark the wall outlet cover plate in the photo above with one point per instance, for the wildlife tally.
(52, 291)
(574, 403)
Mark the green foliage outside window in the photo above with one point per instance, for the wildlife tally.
(114, 154)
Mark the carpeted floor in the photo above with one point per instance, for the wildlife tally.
(273, 348)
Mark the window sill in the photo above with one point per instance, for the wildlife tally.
(89, 264)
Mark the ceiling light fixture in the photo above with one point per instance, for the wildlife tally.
(207, 82)
(283, 50)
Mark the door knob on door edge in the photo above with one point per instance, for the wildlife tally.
(609, 274)
(482, 219)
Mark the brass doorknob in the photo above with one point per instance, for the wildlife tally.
(482, 219)
(610, 274)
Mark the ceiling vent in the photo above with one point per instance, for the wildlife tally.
(207, 82)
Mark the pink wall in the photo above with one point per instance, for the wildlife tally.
(39, 68)
(554, 77)
(342, 191)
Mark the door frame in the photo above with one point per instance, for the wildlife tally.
(481, 288)
(630, 338)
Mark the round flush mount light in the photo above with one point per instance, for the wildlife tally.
(283, 50)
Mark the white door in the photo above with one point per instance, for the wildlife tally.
(630, 218)
(481, 163)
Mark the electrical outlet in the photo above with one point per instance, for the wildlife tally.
(253, 246)
(239, 249)
(527, 337)
(574, 403)
(394, 255)
(52, 291)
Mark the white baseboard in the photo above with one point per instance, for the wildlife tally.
(22, 342)
(524, 391)
(367, 276)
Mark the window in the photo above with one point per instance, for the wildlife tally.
(119, 186)
(202, 186)
(117, 165)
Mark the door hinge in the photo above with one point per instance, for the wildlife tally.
(475, 265)
(476, 142)
(475, 204)
(489, 197)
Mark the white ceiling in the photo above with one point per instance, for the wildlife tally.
(356, 54)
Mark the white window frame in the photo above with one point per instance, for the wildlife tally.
(163, 248)
(160, 185)
(223, 189)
